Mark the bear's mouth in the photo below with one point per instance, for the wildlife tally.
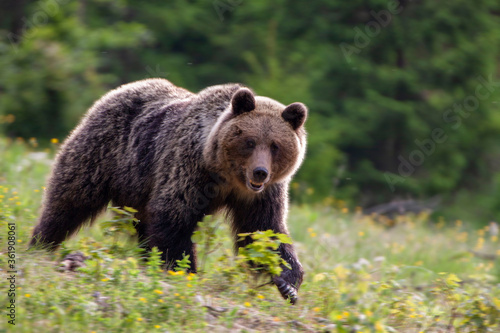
(254, 186)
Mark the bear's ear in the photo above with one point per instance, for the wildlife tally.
(243, 101)
(295, 114)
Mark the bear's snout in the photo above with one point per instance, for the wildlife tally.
(260, 174)
(257, 179)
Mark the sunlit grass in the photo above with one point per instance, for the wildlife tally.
(363, 273)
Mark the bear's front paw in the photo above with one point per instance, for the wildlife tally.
(286, 289)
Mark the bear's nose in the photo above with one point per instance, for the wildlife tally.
(260, 174)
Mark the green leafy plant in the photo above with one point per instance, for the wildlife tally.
(262, 255)
(154, 266)
(123, 222)
(184, 264)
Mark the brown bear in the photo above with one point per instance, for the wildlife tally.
(176, 156)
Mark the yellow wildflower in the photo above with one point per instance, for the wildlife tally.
(341, 272)
(453, 280)
(480, 243)
(379, 327)
(318, 277)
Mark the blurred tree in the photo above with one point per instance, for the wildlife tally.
(392, 87)
(389, 76)
(52, 71)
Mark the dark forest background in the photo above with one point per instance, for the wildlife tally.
(404, 97)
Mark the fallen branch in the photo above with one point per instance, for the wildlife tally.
(485, 256)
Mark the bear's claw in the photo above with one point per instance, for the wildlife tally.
(287, 290)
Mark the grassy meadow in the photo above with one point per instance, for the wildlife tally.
(363, 273)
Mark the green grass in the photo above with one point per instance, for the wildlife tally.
(363, 274)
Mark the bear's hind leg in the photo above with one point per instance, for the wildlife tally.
(67, 207)
(58, 224)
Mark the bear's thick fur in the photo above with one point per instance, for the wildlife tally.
(176, 156)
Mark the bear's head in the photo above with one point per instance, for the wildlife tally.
(257, 141)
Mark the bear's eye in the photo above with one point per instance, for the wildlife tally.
(274, 148)
(250, 143)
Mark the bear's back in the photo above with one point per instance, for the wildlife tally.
(132, 98)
